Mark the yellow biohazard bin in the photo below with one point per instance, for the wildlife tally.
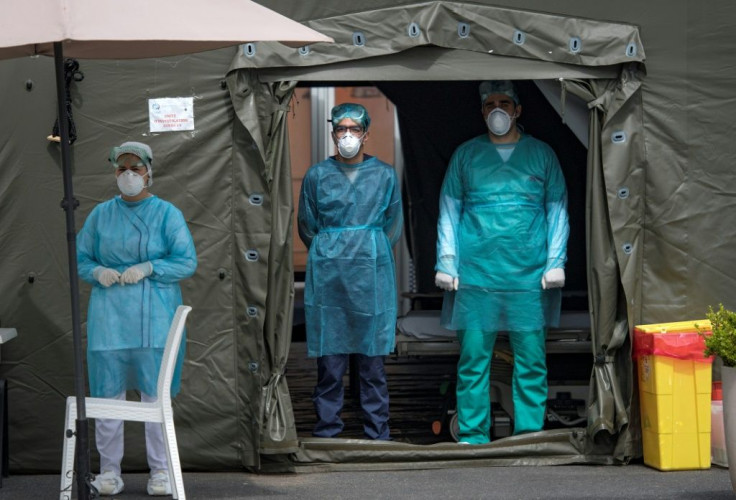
(675, 394)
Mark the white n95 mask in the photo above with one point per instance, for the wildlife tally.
(348, 145)
(498, 121)
(130, 183)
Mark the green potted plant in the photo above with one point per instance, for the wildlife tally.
(722, 338)
(720, 341)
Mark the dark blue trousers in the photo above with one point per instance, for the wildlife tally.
(329, 393)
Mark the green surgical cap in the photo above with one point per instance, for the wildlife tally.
(491, 87)
(142, 151)
(355, 112)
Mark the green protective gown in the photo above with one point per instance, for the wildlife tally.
(350, 217)
(503, 224)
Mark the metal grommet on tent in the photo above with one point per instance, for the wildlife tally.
(413, 30)
(618, 137)
(358, 39)
(304, 50)
(631, 50)
(519, 37)
(623, 193)
(253, 366)
(575, 45)
(627, 248)
(252, 311)
(463, 30)
(256, 199)
(251, 255)
(249, 49)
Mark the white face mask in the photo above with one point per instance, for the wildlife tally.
(348, 145)
(498, 121)
(130, 183)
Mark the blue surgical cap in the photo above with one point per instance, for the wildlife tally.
(491, 87)
(355, 112)
(142, 151)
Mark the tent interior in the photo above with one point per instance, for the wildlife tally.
(433, 118)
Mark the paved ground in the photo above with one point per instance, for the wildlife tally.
(558, 482)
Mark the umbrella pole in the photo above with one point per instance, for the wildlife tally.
(69, 204)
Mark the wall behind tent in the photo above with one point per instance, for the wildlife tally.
(192, 169)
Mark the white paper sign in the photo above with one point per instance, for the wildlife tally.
(169, 114)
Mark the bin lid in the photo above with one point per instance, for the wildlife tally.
(676, 327)
(682, 340)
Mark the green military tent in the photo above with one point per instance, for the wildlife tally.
(656, 214)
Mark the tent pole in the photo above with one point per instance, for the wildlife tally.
(69, 204)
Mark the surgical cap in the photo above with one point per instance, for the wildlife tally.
(355, 112)
(491, 87)
(142, 151)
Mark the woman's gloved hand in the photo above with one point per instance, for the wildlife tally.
(136, 273)
(554, 278)
(105, 276)
(445, 281)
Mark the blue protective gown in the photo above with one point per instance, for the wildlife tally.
(502, 225)
(127, 325)
(349, 217)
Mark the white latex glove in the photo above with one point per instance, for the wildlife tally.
(554, 278)
(136, 273)
(445, 281)
(105, 276)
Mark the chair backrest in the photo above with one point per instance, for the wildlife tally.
(171, 351)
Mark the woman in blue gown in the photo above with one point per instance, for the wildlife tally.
(134, 249)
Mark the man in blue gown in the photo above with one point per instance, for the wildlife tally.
(350, 217)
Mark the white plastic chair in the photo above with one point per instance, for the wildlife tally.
(157, 411)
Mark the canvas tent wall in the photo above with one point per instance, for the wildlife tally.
(662, 252)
